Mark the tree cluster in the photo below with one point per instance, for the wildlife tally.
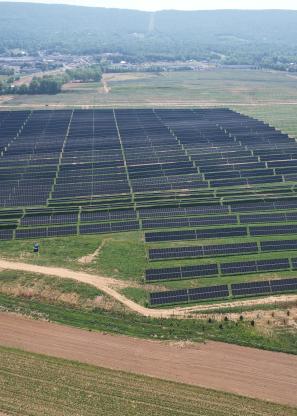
(6, 70)
(52, 84)
(85, 74)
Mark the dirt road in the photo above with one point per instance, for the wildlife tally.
(106, 285)
(141, 104)
(246, 371)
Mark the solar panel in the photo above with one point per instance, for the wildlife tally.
(212, 292)
(196, 234)
(189, 222)
(284, 285)
(230, 249)
(273, 265)
(203, 270)
(6, 234)
(96, 171)
(185, 272)
(170, 236)
(31, 233)
(239, 267)
(203, 251)
(250, 288)
(94, 228)
(278, 245)
(62, 231)
(271, 230)
(172, 273)
(254, 266)
(250, 219)
(161, 298)
(178, 252)
(189, 295)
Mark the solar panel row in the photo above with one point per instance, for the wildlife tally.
(203, 251)
(196, 234)
(42, 232)
(189, 295)
(214, 270)
(220, 292)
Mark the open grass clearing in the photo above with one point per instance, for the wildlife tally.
(51, 289)
(122, 256)
(173, 89)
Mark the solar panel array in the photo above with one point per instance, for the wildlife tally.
(178, 175)
(196, 234)
(203, 251)
(189, 295)
(266, 287)
(217, 269)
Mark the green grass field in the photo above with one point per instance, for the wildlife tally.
(122, 256)
(218, 87)
(32, 385)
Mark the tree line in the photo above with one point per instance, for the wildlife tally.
(52, 84)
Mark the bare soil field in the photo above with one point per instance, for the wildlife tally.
(249, 372)
(34, 385)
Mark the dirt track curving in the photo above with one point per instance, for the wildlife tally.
(246, 371)
(107, 284)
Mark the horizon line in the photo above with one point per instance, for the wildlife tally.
(143, 10)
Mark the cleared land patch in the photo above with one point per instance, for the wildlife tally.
(173, 89)
(26, 379)
(211, 365)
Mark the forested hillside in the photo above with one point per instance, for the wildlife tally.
(245, 37)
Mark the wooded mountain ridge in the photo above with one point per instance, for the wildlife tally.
(229, 36)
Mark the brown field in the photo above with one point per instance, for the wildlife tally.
(34, 385)
(249, 372)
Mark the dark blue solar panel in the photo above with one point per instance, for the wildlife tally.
(278, 245)
(203, 270)
(285, 285)
(274, 264)
(189, 295)
(239, 267)
(271, 230)
(251, 288)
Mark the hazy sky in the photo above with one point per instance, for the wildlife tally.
(179, 4)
